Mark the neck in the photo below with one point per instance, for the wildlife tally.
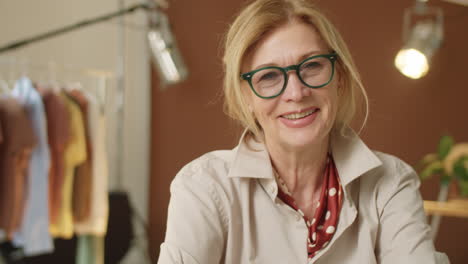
(301, 170)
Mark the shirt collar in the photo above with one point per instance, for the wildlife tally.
(351, 155)
(251, 160)
(352, 158)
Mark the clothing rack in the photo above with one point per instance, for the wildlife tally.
(52, 70)
(84, 23)
(13, 252)
(103, 76)
(52, 67)
(148, 6)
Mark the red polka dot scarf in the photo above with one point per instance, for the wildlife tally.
(322, 227)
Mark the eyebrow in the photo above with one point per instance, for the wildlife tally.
(300, 59)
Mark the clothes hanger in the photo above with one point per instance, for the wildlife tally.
(52, 82)
(25, 72)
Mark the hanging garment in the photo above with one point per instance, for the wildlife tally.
(82, 182)
(2, 233)
(64, 253)
(15, 151)
(1, 135)
(58, 128)
(33, 235)
(74, 155)
(90, 250)
(96, 223)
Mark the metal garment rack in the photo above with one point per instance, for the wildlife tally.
(84, 23)
(119, 76)
(147, 6)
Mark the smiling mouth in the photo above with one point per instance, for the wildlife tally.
(295, 116)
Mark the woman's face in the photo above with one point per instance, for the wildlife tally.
(301, 116)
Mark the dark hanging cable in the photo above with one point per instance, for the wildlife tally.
(20, 43)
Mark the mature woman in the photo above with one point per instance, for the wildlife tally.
(300, 187)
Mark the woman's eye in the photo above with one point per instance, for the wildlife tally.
(312, 65)
(269, 76)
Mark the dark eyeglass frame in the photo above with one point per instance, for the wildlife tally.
(330, 56)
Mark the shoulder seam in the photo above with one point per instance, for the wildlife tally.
(193, 169)
(400, 168)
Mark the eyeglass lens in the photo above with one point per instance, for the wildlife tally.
(313, 72)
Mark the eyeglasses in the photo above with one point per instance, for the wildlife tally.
(271, 81)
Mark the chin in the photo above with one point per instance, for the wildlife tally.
(302, 139)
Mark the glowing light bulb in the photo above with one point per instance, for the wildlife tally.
(412, 63)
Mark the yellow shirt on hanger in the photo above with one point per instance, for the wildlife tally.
(96, 223)
(74, 155)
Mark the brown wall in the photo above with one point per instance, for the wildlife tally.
(407, 116)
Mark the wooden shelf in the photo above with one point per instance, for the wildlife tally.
(454, 207)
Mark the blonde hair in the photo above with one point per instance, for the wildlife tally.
(260, 17)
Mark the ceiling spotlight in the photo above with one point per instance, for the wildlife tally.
(166, 55)
(421, 39)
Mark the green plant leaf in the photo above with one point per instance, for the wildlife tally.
(428, 158)
(463, 185)
(445, 144)
(459, 168)
(435, 167)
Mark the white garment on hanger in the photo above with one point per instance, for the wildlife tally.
(33, 234)
(96, 223)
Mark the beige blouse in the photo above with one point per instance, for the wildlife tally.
(224, 209)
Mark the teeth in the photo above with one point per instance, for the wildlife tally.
(299, 115)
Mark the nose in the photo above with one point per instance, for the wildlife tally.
(295, 90)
